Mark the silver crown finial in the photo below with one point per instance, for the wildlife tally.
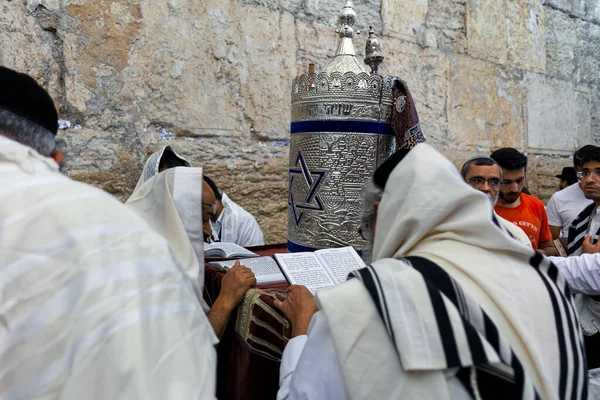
(345, 57)
(373, 56)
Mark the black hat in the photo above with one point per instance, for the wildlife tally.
(20, 94)
(382, 173)
(568, 173)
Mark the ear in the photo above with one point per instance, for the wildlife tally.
(58, 156)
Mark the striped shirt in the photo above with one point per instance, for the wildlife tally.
(92, 303)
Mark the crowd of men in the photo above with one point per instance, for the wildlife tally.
(463, 297)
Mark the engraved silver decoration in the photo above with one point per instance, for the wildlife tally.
(373, 56)
(340, 133)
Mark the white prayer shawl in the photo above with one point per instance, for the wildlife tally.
(426, 211)
(153, 162)
(236, 225)
(93, 305)
(171, 203)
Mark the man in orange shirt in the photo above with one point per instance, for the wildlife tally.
(523, 210)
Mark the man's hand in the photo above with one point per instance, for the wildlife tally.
(299, 307)
(235, 283)
(590, 248)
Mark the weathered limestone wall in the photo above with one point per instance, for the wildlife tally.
(213, 79)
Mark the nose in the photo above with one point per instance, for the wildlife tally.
(485, 187)
(207, 230)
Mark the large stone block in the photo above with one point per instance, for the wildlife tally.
(26, 47)
(403, 18)
(448, 19)
(558, 115)
(526, 36)
(485, 105)
(426, 73)
(486, 30)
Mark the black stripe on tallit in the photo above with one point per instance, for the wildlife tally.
(495, 220)
(369, 278)
(573, 245)
(573, 327)
(429, 270)
(440, 280)
(562, 345)
(445, 330)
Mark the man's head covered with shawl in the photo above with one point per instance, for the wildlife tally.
(449, 290)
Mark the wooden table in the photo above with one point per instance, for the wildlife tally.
(249, 354)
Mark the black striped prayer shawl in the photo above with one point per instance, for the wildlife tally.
(578, 229)
(485, 380)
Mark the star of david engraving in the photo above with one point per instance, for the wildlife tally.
(313, 180)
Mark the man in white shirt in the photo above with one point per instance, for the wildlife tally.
(233, 224)
(485, 174)
(93, 303)
(445, 305)
(567, 203)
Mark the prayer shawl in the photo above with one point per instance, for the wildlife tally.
(473, 308)
(236, 225)
(578, 229)
(92, 303)
(171, 203)
(153, 162)
(588, 307)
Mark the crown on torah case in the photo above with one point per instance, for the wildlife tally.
(340, 133)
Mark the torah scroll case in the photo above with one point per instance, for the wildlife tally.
(340, 132)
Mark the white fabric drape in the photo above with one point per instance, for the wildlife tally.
(171, 203)
(153, 162)
(93, 305)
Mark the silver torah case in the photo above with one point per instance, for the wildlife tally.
(340, 133)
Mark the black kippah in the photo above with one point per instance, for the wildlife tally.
(382, 173)
(20, 94)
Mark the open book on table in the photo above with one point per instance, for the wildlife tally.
(226, 250)
(322, 269)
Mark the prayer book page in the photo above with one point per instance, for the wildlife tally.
(226, 250)
(304, 269)
(265, 269)
(340, 262)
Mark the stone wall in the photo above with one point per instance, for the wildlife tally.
(213, 79)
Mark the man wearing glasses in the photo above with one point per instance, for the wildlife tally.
(523, 210)
(484, 174)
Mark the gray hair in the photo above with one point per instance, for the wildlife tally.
(27, 132)
(479, 160)
(373, 193)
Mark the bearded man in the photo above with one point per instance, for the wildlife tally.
(484, 174)
(524, 210)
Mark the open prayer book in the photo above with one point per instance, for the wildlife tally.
(226, 250)
(322, 269)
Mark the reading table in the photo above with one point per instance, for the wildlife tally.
(250, 350)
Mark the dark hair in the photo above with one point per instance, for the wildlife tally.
(509, 158)
(580, 154)
(571, 180)
(170, 160)
(382, 173)
(213, 186)
(591, 155)
(479, 160)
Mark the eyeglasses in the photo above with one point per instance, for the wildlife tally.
(587, 172)
(477, 181)
(213, 207)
